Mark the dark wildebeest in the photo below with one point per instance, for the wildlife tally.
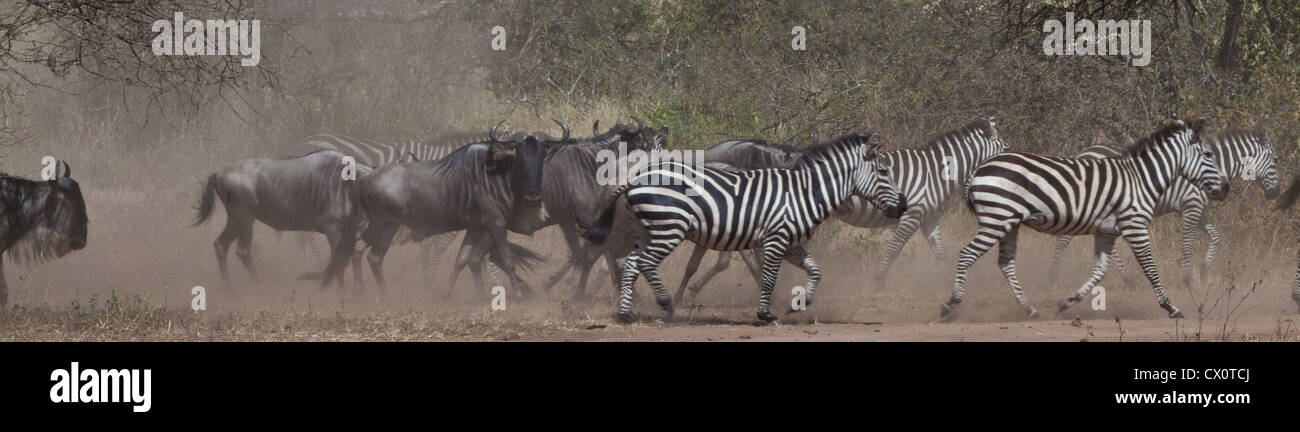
(304, 193)
(485, 189)
(572, 190)
(41, 220)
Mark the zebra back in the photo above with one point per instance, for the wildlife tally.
(377, 154)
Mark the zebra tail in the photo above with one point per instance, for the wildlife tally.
(597, 231)
(206, 200)
(1288, 198)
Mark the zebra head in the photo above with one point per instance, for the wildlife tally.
(525, 154)
(1198, 160)
(993, 143)
(871, 175)
(1258, 161)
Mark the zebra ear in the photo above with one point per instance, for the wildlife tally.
(873, 142)
(1198, 125)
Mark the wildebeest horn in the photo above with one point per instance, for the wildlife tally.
(595, 128)
(639, 125)
(492, 133)
(67, 170)
(566, 131)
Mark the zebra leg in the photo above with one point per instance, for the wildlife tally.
(799, 257)
(1215, 238)
(505, 259)
(1191, 222)
(988, 235)
(1122, 268)
(648, 265)
(1103, 251)
(693, 265)
(433, 251)
(576, 252)
(1139, 240)
(774, 251)
(1007, 262)
(907, 225)
(625, 284)
(930, 226)
(1054, 268)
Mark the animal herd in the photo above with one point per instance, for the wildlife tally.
(762, 200)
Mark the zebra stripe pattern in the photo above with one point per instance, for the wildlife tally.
(1238, 154)
(927, 178)
(1107, 198)
(773, 209)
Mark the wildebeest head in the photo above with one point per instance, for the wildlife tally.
(50, 218)
(637, 137)
(523, 155)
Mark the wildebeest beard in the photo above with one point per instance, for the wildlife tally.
(41, 227)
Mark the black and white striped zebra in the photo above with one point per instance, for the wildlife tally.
(732, 210)
(1238, 154)
(927, 178)
(379, 154)
(1107, 198)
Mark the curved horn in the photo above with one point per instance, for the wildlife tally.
(566, 131)
(595, 128)
(639, 125)
(492, 133)
(67, 170)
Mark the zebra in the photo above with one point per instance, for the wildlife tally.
(731, 210)
(1238, 153)
(377, 154)
(1104, 197)
(926, 178)
(1289, 198)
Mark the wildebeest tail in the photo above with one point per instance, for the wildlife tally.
(596, 232)
(524, 257)
(206, 200)
(1288, 197)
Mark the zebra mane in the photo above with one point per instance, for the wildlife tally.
(983, 126)
(457, 139)
(819, 151)
(1166, 131)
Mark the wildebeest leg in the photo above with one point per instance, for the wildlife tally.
(244, 247)
(576, 251)
(506, 261)
(379, 236)
(755, 267)
(471, 251)
(356, 265)
(697, 254)
(4, 286)
(590, 255)
(222, 246)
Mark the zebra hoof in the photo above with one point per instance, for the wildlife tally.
(946, 309)
(625, 317)
(1176, 314)
(1065, 304)
(766, 316)
(1032, 311)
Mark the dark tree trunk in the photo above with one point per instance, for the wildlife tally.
(1227, 59)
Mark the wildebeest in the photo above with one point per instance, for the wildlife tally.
(40, 220)
(304, 193)
(572, 190)
(485, 189)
